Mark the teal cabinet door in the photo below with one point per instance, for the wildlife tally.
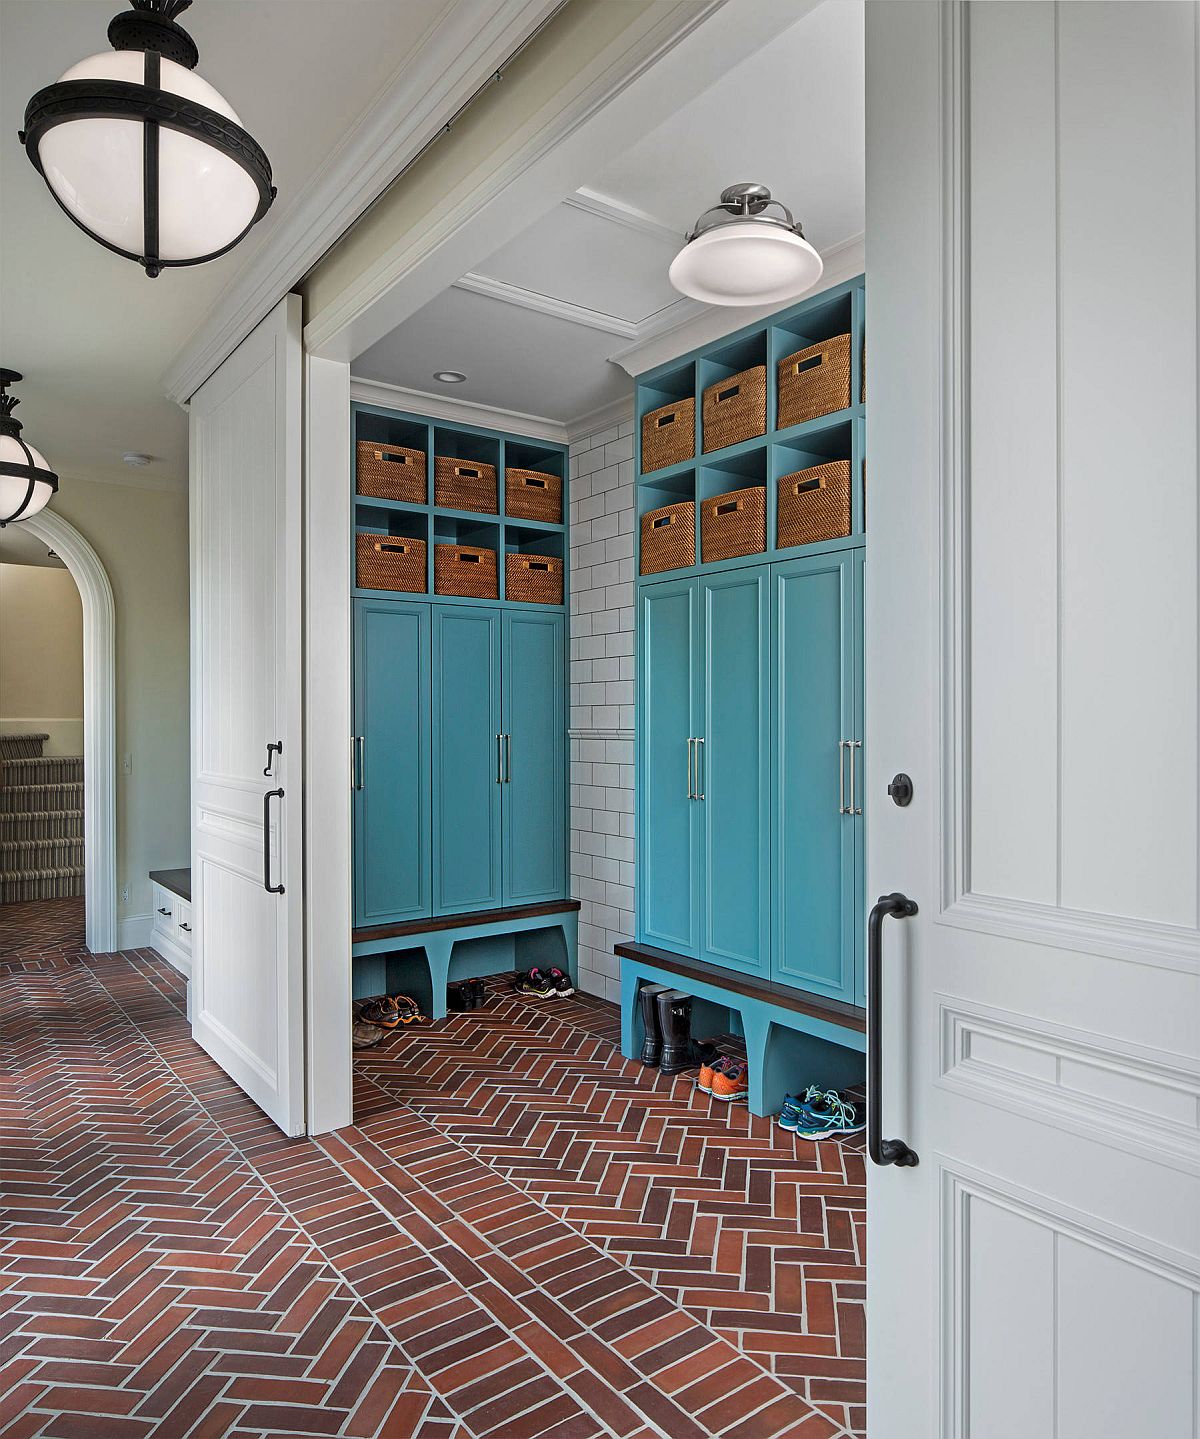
(534, 725)
(735, 770)
(466, 758)
(669, 819)
(858, 897)
(814, 854)
(392, 847)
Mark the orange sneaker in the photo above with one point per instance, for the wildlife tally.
(709, 1069)
(732, 1082)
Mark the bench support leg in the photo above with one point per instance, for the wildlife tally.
(437, 955)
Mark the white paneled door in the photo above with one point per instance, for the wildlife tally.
(1031, 649)
(247, 867)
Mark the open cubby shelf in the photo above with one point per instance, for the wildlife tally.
(439, 524)
(762, 459)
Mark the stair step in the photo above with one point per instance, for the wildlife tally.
(43, 825)
(37, 798)
(22, 746)
(25, 856)
(42, 769)
(53, 883)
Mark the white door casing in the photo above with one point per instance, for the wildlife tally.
(1031, 650)
(245, 474)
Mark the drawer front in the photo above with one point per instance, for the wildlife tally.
(164, 912)
(182, 915)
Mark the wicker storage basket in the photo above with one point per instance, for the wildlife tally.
(465, 570)
(735, 409)
(389, 562)
(532, 495)
(734, 524)
(814, 382)
(669, 435)
(464, 485)
(669, 538)
(390, 472)
(814, 504)
(536, 579)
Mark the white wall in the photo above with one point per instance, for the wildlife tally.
(41, 656)
(602, 698)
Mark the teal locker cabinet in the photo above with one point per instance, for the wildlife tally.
(750, 698)
(460, 713)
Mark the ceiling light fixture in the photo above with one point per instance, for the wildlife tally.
(449, 377)
(143, 154)
(736, 254)
(26, 480)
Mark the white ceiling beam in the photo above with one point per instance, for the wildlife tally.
(493, 289)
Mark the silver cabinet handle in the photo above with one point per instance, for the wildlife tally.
(700, 768)
(855, 744)
(508, 759)
(842, 777)
(499, 759)
(358, 778)
(691, 770)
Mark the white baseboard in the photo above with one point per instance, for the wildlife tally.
(133, 932)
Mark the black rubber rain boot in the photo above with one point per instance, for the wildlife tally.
(652, 1044)
(675, 1021)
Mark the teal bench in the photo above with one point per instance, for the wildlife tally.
(421, 956)
(792, 1038)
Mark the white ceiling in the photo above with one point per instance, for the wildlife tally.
(90, 332)
(537, 325)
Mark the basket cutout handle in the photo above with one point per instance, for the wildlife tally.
(730, 507)
(666, 420)
(729, 393)
(663, 520)
(533, 483)
(390, 549)
(811, 363)
(805, 486)
(536, 565)
(394, 459)
(467, 559)
(466, 473)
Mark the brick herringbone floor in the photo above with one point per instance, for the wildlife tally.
(522, 1236)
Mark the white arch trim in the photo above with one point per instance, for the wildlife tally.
(99, 723)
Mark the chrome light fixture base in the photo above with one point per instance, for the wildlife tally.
(745, 201)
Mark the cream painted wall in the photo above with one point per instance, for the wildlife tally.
(489, 131)
(41, 656)
(141, 537)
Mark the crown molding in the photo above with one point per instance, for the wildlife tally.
(616, 212)
(471, 40)
(507, 294)
(711, 322)
(170, 484)
(617, 412)
(461, 412)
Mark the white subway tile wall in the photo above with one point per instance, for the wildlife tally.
(602, 689)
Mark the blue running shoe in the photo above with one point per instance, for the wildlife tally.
(830, 1115)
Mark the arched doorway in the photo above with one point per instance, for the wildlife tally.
(99, 723)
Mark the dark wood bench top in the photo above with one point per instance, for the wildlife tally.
(834, 1011)
(178, 881)
(461, 921)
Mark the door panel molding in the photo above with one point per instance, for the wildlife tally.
(1141, 940)
(1121, 1094)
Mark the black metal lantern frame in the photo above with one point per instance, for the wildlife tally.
(150, 27)
(30, 471)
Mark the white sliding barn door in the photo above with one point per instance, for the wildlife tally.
(247, 843)
(1031, 655)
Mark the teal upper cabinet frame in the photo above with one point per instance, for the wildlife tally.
(750, 687)
(460, 702)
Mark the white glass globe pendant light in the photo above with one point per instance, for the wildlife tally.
(26, 480)
(143, 154)
(738, 254)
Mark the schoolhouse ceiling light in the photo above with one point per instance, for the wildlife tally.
(26, 480)
(143, 154)
(738, 254)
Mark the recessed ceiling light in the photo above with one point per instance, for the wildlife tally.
(449, 377)
(131, 457)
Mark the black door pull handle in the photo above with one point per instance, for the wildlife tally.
(267, 798)
(882, 1151)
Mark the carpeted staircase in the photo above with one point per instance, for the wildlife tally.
(41, 821)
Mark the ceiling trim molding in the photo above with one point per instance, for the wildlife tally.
(711, 322)
(472, 39)
(616, 212)
(462, 412)
(524, 299)
(617, 412)
(163, 483)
